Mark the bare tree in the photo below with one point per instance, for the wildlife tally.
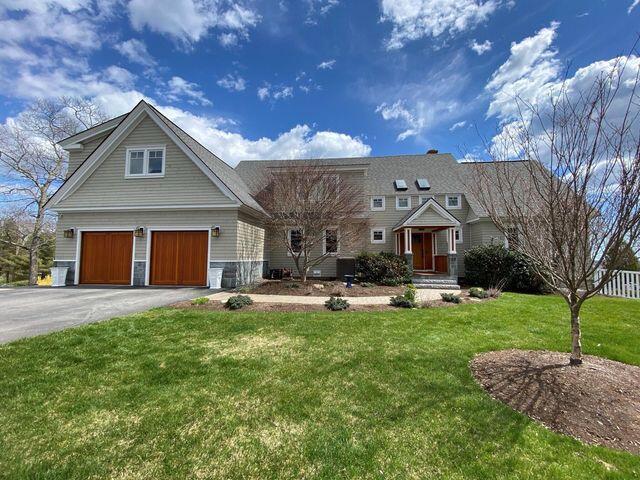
(33, 164)
(314, 211)
(574, 206)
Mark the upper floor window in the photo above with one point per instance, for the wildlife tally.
(377, 203)
(454, 201)
(145, 162)
(423, 198)
(403, 202)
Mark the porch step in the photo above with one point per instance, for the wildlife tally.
(444, 283)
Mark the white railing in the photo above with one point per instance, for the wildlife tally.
(624, 283)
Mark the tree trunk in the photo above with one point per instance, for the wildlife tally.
(34, 245)
(303, 275)
(576, 344)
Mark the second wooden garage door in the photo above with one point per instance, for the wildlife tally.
(179, 258)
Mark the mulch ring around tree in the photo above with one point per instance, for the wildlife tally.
(597, 402)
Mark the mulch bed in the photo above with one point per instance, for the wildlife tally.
(280, 307)
(597, 402)
(297, 288)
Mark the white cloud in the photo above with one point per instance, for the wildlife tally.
(274, 92)
(417, 106)
(188, 21)
(414, 19)
(458, 125)
(69, 23)
(532, 64)
(327, 65)
(181, 88)
(232, 83)
(533, 74)
(633, 5)
(319, 8)
(398, 111)
(480, 48)
(136, 52)
(120, 76)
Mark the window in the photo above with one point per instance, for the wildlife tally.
(403, 203)
(400, 184)
(453, 201)
(295, 240)
(330, 241)
(377, 235)
(459, 235)
(423, 184)
(377, 203)
(145, 162)
(424, 198)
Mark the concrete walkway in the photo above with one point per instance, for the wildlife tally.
(422, 295)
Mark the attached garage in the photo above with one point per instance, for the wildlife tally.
(179, 258)
(105, 258)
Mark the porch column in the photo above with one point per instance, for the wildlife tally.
(451, 240)
(408, 252)
(452, 260)
(407, 241)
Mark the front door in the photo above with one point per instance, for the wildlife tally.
(422, 249)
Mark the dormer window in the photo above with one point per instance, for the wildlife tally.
(145, 162)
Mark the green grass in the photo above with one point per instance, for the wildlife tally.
(196, 394)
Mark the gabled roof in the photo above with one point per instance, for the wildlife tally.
(222, 175)
(100, 129)
(441, 170)
(431, 203)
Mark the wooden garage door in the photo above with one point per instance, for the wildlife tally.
(179, 258)
(105, 258)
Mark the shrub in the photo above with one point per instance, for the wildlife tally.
(336, 303)
(493, 265)
(291, 285)
(450, 297)
(385, 268)
(478, 292)
(200, 301)
(407, 300)
(238, 301)
(367, 284)
(494, 292)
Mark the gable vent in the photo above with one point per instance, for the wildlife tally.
(400, 184)
(423, 184)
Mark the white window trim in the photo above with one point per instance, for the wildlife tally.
(425, 198)
(384, 202)
(324, 242)
(453, 207)
(289, 254)
(384, 235)
(408, 197)
(460, 239)
(145, 162)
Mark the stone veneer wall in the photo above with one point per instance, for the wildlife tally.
(71, 273)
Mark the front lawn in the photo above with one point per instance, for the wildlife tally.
(200, 394)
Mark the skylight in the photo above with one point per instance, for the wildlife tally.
(423, 184)
(400, 185)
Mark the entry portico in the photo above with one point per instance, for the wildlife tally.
(416, 237)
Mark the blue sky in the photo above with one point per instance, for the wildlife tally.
(284, 79)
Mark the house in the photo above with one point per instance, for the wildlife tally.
(146, 204)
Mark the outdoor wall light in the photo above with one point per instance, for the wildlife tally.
(68, 233)
(138, 232)
(215, 231)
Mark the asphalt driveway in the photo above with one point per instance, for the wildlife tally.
(26, 312)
